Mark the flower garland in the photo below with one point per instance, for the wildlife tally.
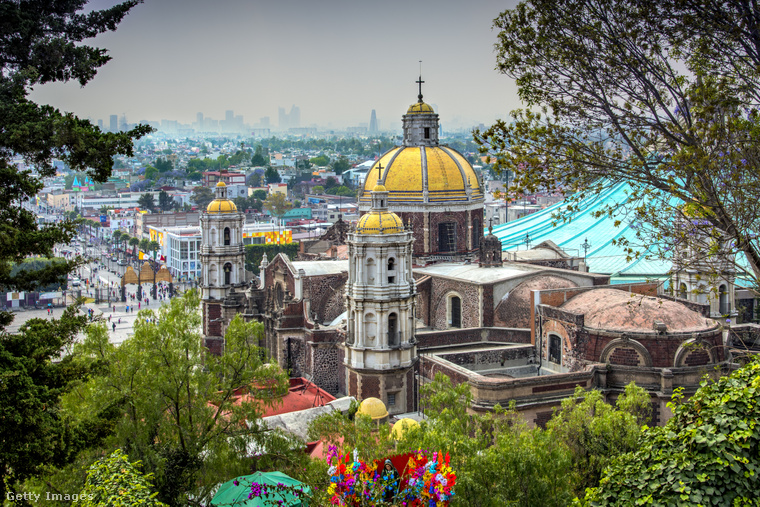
(427, 480)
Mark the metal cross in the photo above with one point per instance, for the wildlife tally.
(419, 82)
(379, 172)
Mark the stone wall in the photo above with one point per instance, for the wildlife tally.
(492, 358)
(452, 337)
(326, 296)
(441, 288)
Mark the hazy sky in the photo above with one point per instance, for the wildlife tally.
(335, 59)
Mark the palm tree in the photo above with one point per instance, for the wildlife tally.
(144, 245)
(133, 242)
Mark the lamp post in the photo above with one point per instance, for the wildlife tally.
(586, 247)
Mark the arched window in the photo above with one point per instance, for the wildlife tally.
(723, 306)
(391, 273)
(392, 330)
(555, 349)
(476, 233)
(682, 291)
(391, 264)
(227, 274)
(370, 329)
(455, 311)
(226, 236)
(370, 271)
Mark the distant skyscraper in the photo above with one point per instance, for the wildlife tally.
(123, 125)
(295, 116)
(100, 124)
(373, 123)
(229, 115)
(114, 123)
(199, 120)
(283, 119)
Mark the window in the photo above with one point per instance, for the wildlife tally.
(392, 330)
(226, 236)
(391, 264)
(723, 300)
(227, 273)
(447, 240)
(427, 132)
(476, 233)
(455, 312)
(391, 399)
(682, 291)
(555, 349)
(370, 271)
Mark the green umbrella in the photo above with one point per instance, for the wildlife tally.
(230, 494)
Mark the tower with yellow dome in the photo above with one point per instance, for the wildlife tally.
(380, 349)
(222, 259)
(432, 187)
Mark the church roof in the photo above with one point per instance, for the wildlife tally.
(420, 108)
(221, 206)
(408, 173)
(379, 222)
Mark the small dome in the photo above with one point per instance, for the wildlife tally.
(618, 310)
(379, 188)
(420, 108)
(374, 408)
(221, 184)
(379, 222)
(221, 205)
(402, 426)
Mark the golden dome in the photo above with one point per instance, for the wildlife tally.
(420, 108)
(221, 184)
(379, 222)
(221, 206)
(374, 408)
(379, 188)
(409, 171)
(402, 426)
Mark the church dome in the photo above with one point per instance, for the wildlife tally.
(424, 174)
(221, 204)
(374, 408)
(379, 222)
(420, 108)
(402, 426)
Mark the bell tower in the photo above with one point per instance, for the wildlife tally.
(222, 259)
(380, 349)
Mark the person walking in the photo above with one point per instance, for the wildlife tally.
(113, 326)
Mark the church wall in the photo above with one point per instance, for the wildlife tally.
(432, 339)
(423, 299)
(487, 359)
(418, 230)
(441, 288)
(326, 295)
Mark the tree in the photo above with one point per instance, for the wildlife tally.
(115, 481)
(151, 173)
(272, 176)
(163, 165)
(261, 195)
(180, 415)
(134, 242)
(202, 196)
(277, 205)
(320, 161)
(143, 244)
(146, 201)
(318, 190)
(596, 433)
(153, 248)
(706, 454)
(660, 95)
(259, 159)
(254, 180)
(341, 165)
(165, 201)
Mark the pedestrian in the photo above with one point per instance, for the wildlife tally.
(114, 308)
(109, 318)
(119, 320)
(138, 304)
(113, 325)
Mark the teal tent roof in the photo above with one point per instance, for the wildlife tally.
(602, 257)
(76, 182)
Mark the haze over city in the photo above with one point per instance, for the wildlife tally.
(335, 60)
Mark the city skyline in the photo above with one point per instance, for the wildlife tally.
(336, 61)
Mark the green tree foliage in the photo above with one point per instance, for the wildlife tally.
(254, 254)
(165, 201)
(43, 42)
(163, 165)
(320, 161)
(151, 173)
(178, 412)
(272, 176)
(259, 158)
(595, 432)
(29, 268)
(277, 205)
(115, 482)
(341, 190)
(708, 453)
(260, 194)
(341, 165)
(254, 180)
(134, 242)
(201, 197)
(659, 94)
(146, 201)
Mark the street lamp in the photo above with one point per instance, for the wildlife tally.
(586, 247)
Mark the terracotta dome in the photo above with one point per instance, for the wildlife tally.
(514, 309)
(402, 426)
(374, 408)
(618, 310)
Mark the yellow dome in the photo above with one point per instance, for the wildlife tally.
(221, 206)
(402, 426)
(379, 222)
(409, 171)
(379, 188)
(420, 108)
(374, 408)
(221, 184)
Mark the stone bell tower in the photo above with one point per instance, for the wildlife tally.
(222, 259)
(380, 345)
